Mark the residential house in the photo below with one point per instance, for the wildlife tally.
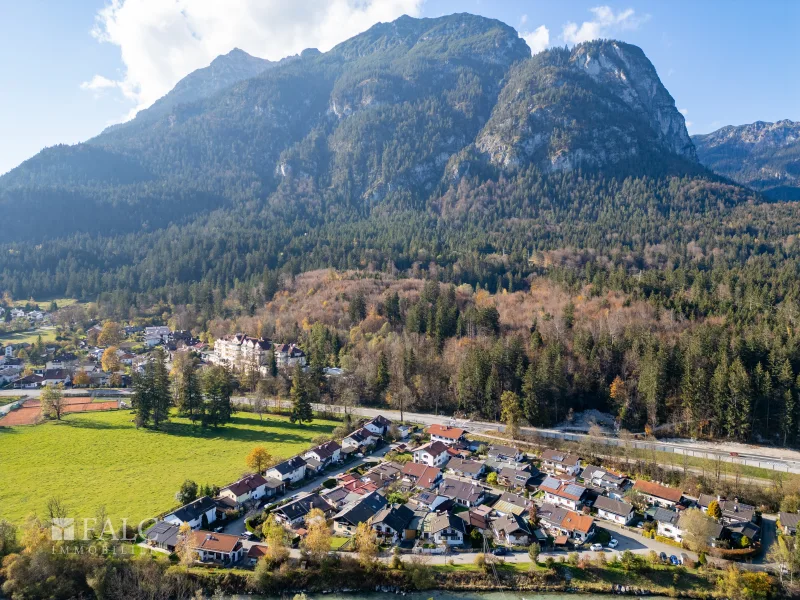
(379, 425)
(477, 517)
(551, 516)
(163, 535)
(473, 469)
(433, 454)
(393, 524)
(294, 512)
(657, 494)
(515, 478)
(733, 511)
(788, 522)
(614, 510)
(289, 355)
(421, 476)
(578, 527)
(610, 484)
(29, 382)
(509, 503)
(446, 434)
(431, 501)
(362, 510)
(255, 553)
(464, 493)
(505, 453)
(251, 487)
(512, 530)
(446, 529)
(558, 462)
(337, 496)
(289, 471)
(8, 375)
(217, 547)
(55, 377)
(360, 438)
(568, 494)
(383, 474)
(667, 522)
(200, 513)
(326, 454)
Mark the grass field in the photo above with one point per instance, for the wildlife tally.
(45, 304)
(29, 337)
(94, 459)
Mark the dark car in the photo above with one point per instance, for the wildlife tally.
(500, 551)
(663, 556)
(674, 560)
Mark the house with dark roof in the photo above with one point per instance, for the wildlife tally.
(294, 512)
(336, 496)
(248, 488)
(378, 425)
(558, 462)
(462, 492)
(512, 530)
(616, 511)
(515, 477)
(200, 513)
(446, 529)
(163, 535)
(501, 453)
(788, 522)
(606, 482)
(362, 510)
(360, 438)
(667, 522)
(325, 454)
(473, 469)
(289, 471)
(431, 501)
(551, 517)
(433, 454)
(420, 476)
(477, 517)
(657, 494)
(393, 523)
(733, 511)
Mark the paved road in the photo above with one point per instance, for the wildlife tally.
(777, 459)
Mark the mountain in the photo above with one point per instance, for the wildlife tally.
(368, 154)
(764, 156)
(225, 70)
(598, 104)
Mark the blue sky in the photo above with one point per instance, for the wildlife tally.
(69, 69)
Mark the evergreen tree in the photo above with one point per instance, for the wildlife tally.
(382, 375)
(161, 396)
(302, 411)
(187, 392)
(218, 387)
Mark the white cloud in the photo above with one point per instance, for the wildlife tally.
(685, 113)
(523, 19)
(162, 41)
(604, 23)
(538, 39)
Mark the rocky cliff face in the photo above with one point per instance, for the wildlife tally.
(764, 156)
(601, 103)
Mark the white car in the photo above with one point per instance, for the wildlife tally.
(596, 547)
(613, 543)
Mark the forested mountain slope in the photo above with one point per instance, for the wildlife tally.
(764, 156)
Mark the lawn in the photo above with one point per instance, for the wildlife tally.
(28, 337)
(94, 459)
(9, 399)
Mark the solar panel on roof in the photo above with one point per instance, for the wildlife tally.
(575, 490)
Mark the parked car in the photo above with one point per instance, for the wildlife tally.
(500, 551)
(246, 535)
(218, 529)
(596, 547)
(674, 560)
(685, 558)
(613, 543)
(663, 556)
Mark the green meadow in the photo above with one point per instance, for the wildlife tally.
(94, 459)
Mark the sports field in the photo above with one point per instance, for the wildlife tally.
(100, 458)
(31, 410)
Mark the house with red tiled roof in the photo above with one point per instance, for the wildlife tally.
(446, 434)
(657, 494)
